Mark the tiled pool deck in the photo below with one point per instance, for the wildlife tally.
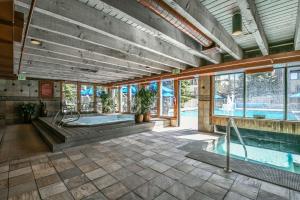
(141, 166)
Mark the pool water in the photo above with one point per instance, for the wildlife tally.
(101, 119)
(278, 159)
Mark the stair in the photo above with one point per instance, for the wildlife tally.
(60, 138)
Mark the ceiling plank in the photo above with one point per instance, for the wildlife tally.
(83, 54)
(200, 17)
(82, 15)
(106, 67)
(297, 31)
(253, 24)
(53, 54)
(132, 53)
(137, 14)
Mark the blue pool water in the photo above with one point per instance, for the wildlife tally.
(277, 159)
(101, 119)
(249, 113)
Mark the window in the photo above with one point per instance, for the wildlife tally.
(167, 98)
(228, 95)
(116, 99)
(99, 91)
(69, 96)
(265, 94)
(293, 112)
(133, 92)
(153, 87)
(87, 98)
(124, 98)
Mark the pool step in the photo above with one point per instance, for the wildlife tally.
(60, 138)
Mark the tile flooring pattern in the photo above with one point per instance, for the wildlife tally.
(142, 166)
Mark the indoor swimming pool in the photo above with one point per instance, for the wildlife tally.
(287, 160)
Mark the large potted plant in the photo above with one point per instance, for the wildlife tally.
(147, 99)
(137, 108)
(26, 111)
(107, 103)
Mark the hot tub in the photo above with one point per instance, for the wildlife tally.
(100, 120)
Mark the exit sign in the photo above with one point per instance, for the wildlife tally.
(175, 71)
(21, 77)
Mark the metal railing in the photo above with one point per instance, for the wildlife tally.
(231, 123)
(65, 116)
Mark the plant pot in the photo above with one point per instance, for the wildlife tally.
(147, 117)
(139, 118)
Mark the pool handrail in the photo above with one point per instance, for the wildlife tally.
(67, 109)
(231, 123)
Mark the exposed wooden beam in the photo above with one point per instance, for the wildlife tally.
(85, 55)
(53, 54)
(200, 17)
(34, 70)
(29, 17)
(232, 66)
(82, 15)
(253, 24)
(106, 67)
(42, 66)
(137, 14)
(131, 53)
(297, 31)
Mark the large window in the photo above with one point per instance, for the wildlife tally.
(167, 98)
(99, 91)
(229, 93)
(124, 98)
(133, 92)
(265, 94)
(116, 98)
(153, 87)
(87, 98)
(69, 96)
(293, 112)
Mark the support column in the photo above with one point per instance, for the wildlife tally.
(204, 104)
(128, 98)
(158, 98)
(95, 98)
(174, 121)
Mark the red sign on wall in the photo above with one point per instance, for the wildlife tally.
(46, 89)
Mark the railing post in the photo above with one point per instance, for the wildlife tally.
(227, 168)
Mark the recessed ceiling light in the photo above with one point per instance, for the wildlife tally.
(35, 42)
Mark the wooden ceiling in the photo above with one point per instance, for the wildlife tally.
(108, 41)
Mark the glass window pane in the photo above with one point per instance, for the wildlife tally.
(99, 90)
(69, 95)
(133, 92)
(167, 100)
(153, 86)
(124, 99)
(229, 94)
(293, 93)
(115, 96)
(87, 98)
(265, 95)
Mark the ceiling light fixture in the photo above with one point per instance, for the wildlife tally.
(237, 23)
(35, 42)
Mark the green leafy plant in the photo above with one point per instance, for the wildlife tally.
(145, 98)
(26, 111)
(107, 102)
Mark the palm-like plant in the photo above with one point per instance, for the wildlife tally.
(107, 103)
(146, 98)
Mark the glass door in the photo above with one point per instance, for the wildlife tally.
(188, 106)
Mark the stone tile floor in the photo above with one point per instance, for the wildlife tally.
(141, 166)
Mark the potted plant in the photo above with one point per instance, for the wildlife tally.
(137, 108)
(26, 111)
(107, 103)
(147, 99)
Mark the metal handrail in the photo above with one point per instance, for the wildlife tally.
(66, 110)
(231, 123)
